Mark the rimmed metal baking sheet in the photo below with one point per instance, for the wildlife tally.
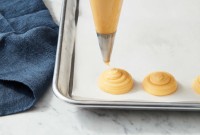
(64, 66)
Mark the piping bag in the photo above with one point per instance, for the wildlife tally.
(106, 16)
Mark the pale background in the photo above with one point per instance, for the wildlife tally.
(54, 117)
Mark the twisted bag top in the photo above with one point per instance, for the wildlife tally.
(28, 38)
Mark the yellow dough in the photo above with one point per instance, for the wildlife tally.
(196, 84)
(159, 84)
(115, 81)
(106, 15)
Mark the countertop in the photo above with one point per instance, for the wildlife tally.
(51, 116)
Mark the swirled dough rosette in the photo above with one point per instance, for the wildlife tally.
(115, 81)
(159, 84)
(196, 84)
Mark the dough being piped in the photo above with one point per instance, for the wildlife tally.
(196, 84)
(160, 84)
(115, 81)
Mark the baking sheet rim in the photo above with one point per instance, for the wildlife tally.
(108, 104)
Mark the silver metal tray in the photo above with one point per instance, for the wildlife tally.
(63, 73)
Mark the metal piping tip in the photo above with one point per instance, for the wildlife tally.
(106, 42)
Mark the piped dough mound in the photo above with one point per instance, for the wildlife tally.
(159, 84)
(115, 81)
(196, 84)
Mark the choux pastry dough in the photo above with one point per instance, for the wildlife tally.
(115, 81)
(159, 84)
(196, 84)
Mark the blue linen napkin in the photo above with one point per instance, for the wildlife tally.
(28, 38)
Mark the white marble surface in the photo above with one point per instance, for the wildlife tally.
(54, 117)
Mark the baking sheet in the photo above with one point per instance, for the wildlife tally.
(156, 35)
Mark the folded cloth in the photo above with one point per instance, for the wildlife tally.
(28, 38)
